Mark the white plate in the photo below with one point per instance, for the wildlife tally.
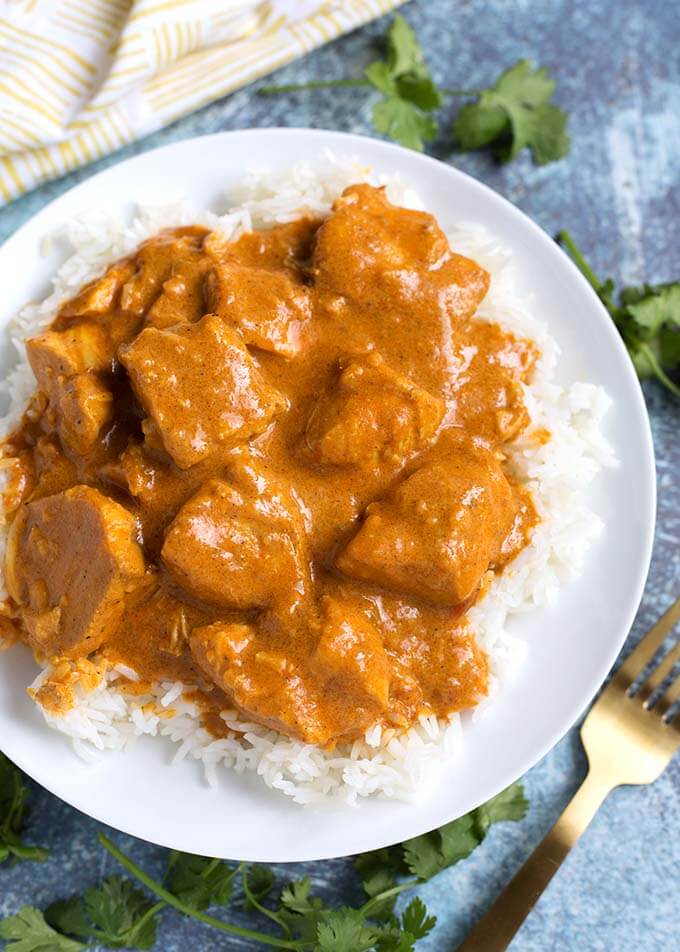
(572, 645)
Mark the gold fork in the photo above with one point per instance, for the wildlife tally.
(629, 739)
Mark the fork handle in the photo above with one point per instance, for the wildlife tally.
(495, 931)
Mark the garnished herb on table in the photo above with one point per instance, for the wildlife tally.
(115, 913)
(513, 114)
(29, 932)
(123, 914)
(13, 812)
(516, 113)
(646, 316)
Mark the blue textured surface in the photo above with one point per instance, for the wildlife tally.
(618, 191)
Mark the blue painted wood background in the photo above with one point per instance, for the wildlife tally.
(618, 67)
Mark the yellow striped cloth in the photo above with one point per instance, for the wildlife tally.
(80, 78)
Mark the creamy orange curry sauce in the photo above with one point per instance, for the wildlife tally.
(273, 469)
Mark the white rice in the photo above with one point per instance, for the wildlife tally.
(384, 763)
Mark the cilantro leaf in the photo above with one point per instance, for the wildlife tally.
(646, 316)
(380, 76)
(122, 914)
(416, 921)
(300, 911)
(669, 348)
(402, 936)
(510, 805)
(28, 931)
(543, 130)
(406, 67)
(404, 54)
(409, 91)
(394, 939)
(260, 884)
(659, 307)
(516, 113)
(200, 882)
(296, 896)
(479, 124)
(421, 91)
(345, 930)
(13, 811)
(116, 913)
(403, 122)
(378, 871)
(430, 853)
(68, 916)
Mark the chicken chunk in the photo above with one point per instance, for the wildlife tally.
(268, 686)
(95, 323)
(376, 254)
(492, 366)
(372, 415)
(157, 490)
(85, 408)
(270, 308)
(54, 470)
(153, 442)
(174, 252)
(182, 299)
(78, 349)
(71, 560)
(240, 543)
(99, 296)
(338, 694)
(437, 668)
(201, 388)
(281, 247)
(350, 657)
(133, 471)
(65, 364)
(435, 535)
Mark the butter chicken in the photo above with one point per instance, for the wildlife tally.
(272, 469)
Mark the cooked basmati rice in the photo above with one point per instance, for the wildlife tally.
(384, 763)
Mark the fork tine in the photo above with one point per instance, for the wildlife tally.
(669, 697)
(650, 644)
(659, 674)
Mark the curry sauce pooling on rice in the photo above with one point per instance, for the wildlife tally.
(273, 469)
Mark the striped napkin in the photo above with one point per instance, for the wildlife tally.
(81, 78)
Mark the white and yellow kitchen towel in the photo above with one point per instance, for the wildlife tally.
(80, 78)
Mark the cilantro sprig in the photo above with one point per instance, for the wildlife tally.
(646, 316)
(200, 882)
(409, 93)
(28, 931)
(427, 855)
(13, 813)
(115, 913)
(121, 913)
(517, 112)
